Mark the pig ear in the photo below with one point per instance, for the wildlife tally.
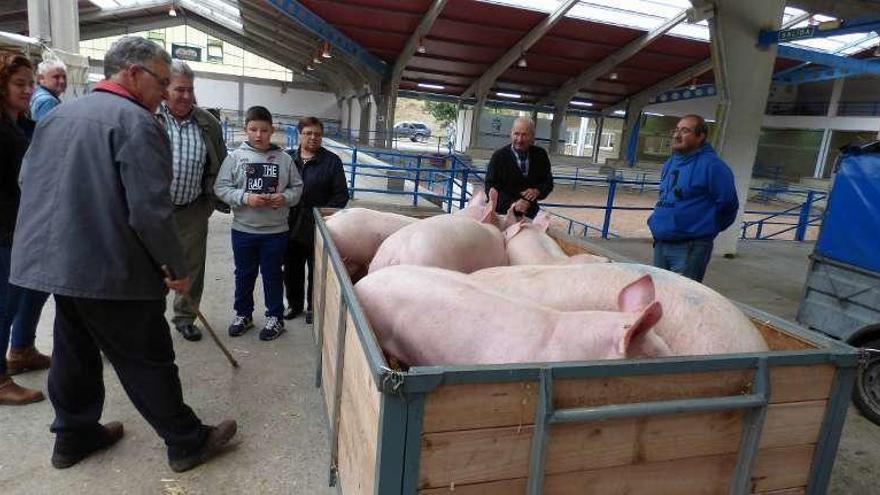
(493, 195)
(542, 221)
(479, 198)
(511, 231)
(637, 334)
(637, 295)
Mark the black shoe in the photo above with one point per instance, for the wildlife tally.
(190, 332)
(218, 436)
(290, 313)
(111, 434)
(273, 329)
(240, 325)
(308, 317)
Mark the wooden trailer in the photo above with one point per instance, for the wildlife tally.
(765, 423)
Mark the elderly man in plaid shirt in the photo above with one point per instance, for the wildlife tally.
(198, 151)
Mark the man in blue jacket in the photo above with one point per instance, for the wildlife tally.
(697, 201)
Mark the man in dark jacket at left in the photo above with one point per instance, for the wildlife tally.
(323, 186)
(96, 229)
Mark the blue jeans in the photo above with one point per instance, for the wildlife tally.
(688, 258)
(263, 253)
(8, 302)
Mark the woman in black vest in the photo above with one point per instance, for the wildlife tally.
(324, 185)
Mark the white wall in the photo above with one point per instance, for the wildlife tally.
(222, 91)
(834, 123)
(495, 130)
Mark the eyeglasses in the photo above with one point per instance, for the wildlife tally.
(684, 131)
(164, 82)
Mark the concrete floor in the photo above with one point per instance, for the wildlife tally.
(282, 445)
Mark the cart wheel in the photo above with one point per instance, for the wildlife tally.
(866, 394)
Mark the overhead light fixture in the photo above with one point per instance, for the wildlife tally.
(421, 48)
(316, 59)
(309, 67)
(654, 114)
(579, 103)
(515, 96)
(325, 52)
(522, 64)
(613, 76)
(171, 11)
(693, 85)
(430, 86)
(619, 112)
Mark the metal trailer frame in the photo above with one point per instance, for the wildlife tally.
(403, 393)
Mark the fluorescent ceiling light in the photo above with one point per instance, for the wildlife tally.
(619, 112)
(654, 114)
(579, 103)
(431, 86)
(515, 96)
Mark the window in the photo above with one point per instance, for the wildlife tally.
(157, 37)
(607, 140)
(215, 50)
(589, 140)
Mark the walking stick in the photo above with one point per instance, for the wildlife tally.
(202, 319)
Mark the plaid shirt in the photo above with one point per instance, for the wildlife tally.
(188, 160)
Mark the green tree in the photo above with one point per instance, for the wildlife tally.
(442, 112)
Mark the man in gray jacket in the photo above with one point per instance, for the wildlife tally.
(95, 230)
(197, 150)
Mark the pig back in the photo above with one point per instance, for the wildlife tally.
(452, 242)
(357, 234)
(696, 319)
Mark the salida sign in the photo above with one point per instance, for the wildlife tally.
(189, 53)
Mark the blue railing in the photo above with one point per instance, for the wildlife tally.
(804, 213)
(446, 180)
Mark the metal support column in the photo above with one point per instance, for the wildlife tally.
(556, 129)
(475, 120)
(743, 73)
(597, 138)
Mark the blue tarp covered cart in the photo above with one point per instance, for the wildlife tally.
(842, 293)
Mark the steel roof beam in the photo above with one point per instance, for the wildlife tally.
(665, 85)
(296, 12)
(412, 43)
(484, 83)
(564, 94)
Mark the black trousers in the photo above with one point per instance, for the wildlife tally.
(296, 258)
(136, 339)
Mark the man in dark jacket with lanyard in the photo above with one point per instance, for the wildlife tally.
(520, 172)
(324, 185)
(197, 151)
(697, 201)
(96, 228)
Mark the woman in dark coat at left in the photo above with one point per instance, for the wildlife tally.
(16, 129)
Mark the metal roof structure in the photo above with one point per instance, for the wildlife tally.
(596, 53)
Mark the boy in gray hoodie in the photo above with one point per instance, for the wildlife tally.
(260, 182)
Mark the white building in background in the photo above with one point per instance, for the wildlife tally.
(229, 78)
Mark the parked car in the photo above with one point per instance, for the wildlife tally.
(415, 131)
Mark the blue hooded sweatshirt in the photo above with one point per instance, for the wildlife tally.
(697, 197)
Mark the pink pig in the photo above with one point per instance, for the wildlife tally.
(696, 319)
(427, 316)
(454, 242)
(527, 243)
(358, 233)
(482, 209)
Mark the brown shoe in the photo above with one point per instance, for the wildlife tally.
(111, 434)
(12, 394)
(218, 437)
(26, 359)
